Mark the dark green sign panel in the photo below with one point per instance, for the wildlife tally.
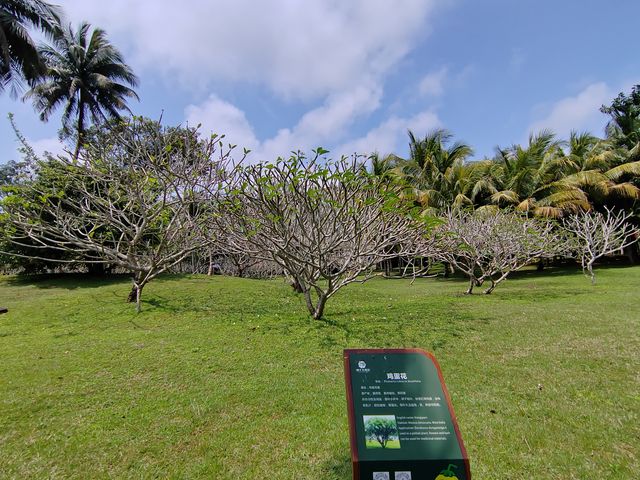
(401, 421)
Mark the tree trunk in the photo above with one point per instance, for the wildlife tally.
(472, 283)
(295, 284)
(210, 271)
(491, 288)
(540, 266)
(590, 273)
(309, 301)
(80, 127)
(446, 271)
(319, 310)
(135, 294)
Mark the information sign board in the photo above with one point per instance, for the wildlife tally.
(401, 421)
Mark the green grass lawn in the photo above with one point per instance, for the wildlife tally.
(229, 378)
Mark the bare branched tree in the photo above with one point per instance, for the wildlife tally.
(596, 235)
(246, 266)
(489, 246)
(327, 224)
(139, 197)
(239, 262)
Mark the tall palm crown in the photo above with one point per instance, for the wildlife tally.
(598, 169)
(383, 166)
(516, 174)
(19, 57)
(550, 178)
(88, 75)
(624, 126)
(435, 170)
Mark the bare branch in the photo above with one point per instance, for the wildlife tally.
(140, 197)
(325, 224)
(596, 235)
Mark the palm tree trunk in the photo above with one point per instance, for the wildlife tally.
(80, 139)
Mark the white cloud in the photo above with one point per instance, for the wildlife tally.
(580, 112)
(391, 135)
(50, 145)
(320, 126)
(333, 55)
(432, 84)
(296, 49)
(217, 116)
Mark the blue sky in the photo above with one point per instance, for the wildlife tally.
(353, 76)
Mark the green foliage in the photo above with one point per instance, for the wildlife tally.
(31, 187)
(546, 177)
(624, 126)
(434, 174)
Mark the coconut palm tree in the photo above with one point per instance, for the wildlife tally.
(624, 126)
(550, 178)
(523, 168)
(19, 58)
(383, 166)
(581, 157)
(597, 168)
(87, 75)
(517, 176)
(435, 173)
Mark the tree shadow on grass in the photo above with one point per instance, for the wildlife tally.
(338, 467)
(563, 271)
(412, 328)
(568, 269)
(165, 304)
(67, 281)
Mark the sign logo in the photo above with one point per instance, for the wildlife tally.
(362, 367)
(381, 476)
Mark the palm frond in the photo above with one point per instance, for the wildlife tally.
(625, 190)
(505, 197)
(548, 212)
(626, 169)
(461, 200)
(487, 210)
(86, 73)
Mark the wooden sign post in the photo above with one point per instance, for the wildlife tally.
(401, 421)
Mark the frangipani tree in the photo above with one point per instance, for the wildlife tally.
(327, 224)
(597, 234)
(140, 198)
(488, 246)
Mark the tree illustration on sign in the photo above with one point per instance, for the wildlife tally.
(380, 429)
